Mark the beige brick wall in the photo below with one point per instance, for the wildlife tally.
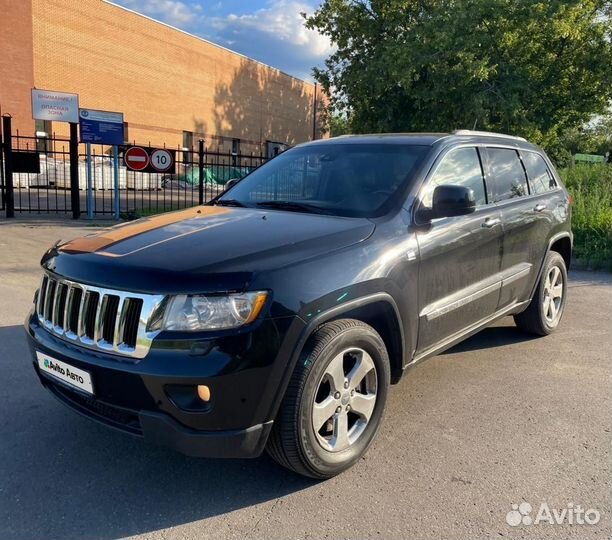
(163, 80)
(16, 72)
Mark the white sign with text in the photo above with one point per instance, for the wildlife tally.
(55, 106)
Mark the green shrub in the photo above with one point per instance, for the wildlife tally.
(591, 188)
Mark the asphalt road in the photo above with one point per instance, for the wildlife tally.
(500, 419)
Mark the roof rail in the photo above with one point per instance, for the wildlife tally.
(487, 133)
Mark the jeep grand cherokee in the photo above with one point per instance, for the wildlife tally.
(277, 315)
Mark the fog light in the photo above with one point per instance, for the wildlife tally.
(204, 392)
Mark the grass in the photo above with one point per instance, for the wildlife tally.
(591, 188)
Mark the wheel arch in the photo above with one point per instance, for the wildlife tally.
(377, 310)
(381, 316)
(560, 243)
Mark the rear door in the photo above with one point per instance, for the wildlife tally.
(525, 217)
(460, 257)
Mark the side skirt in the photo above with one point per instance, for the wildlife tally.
(450, 341)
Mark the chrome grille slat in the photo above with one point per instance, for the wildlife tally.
(62, 303)
(57, 292)
(67, 304)
(100, 309)
(82, 308)
(41, 297)
(49, 301)
(120, 320)
(59, 307)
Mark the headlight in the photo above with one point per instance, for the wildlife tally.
(195, 312)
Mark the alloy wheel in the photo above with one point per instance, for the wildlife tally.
(345, 399)
(553, 295)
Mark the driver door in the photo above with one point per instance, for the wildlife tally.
(460, 257)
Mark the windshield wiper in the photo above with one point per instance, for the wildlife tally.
(293, 206)
(229, 202)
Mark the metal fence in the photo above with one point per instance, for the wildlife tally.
(200, 174)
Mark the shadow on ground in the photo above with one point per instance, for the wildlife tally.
(67, 477)
(491, 337)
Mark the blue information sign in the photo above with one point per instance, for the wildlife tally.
(101, 127)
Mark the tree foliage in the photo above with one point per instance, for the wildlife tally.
(528, 67)
(339, 125)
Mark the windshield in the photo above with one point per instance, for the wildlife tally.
(355, 180)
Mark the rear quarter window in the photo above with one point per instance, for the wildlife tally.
(507, 173)
(541, 179)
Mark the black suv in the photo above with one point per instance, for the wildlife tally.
(277, 315)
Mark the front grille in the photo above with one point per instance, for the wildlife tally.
(97, 318)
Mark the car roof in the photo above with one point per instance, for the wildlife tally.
(421, 139)
(428, 139)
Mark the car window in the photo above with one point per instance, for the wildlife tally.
(460, 167)
(352, 180)
(509, 180)
(540, 178)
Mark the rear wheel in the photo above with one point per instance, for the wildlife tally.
(544, 313)
(335, 401)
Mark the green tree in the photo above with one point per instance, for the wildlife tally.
(339, 125)
(532, 68)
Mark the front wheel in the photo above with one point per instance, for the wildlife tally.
(335, 401)
(545, 310)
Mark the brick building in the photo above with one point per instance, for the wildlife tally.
(172, 87)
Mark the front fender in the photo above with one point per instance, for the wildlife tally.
(314, 317)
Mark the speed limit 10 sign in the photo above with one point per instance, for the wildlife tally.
(149, 160)
(162, 160)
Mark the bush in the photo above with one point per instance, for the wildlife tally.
(591, 188)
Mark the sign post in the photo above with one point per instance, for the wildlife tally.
(201, 171)
(89, 184)
(116, 173)
(8, 165)
(62, 107)
(101, 127)
(75, 196)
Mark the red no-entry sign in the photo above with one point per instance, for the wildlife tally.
(136, 158)
(149, 160)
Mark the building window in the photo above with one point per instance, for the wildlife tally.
(235, 151)
(126, 133)
(187, 146)
(274, 148)
(44, 131)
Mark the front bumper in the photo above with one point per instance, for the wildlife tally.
(147, 398)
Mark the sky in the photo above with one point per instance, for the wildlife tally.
(271, 31)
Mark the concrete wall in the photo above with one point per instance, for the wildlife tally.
(16, 70)
(163, 80)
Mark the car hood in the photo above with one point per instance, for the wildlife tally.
(202, 249)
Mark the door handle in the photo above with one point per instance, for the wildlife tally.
(539, 207)
(490, 223)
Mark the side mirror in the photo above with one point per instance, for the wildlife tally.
(449, 200)
(231, 183)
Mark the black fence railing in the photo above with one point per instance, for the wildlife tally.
(200, 174)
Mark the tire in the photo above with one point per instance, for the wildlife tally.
(334, 352)
(537, 319)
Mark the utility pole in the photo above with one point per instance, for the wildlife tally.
(314, 114)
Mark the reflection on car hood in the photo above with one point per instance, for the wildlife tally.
(201, 249)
